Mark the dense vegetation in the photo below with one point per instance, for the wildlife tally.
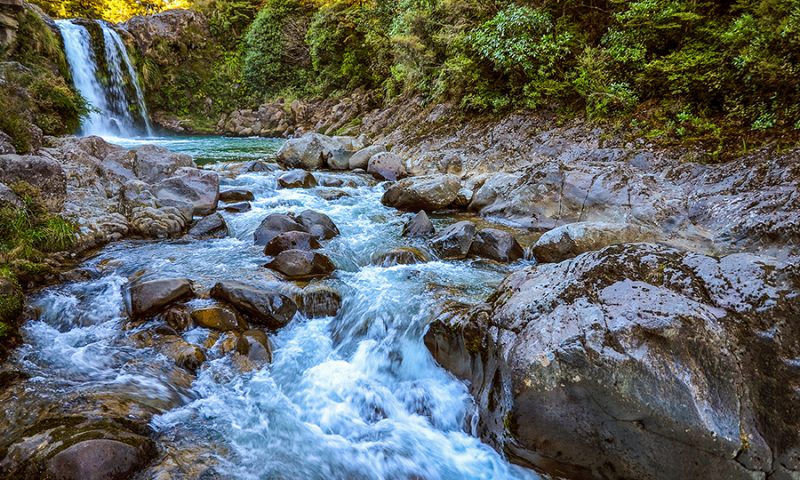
(111, 10)
(27, 233)
(35, 96)
(680, 68)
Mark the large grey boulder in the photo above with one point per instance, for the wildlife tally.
(297, 179)
(191, 185)
(573, 239)
(150, 297)
(497, 245)
(274, 225)
(430, 192)
(312, 151)
(99, 459)
(153, 164)
(263, 306)
(301, 264)
(387, 166)
(361, 158)
(211, 226)
(454, 242)
(44, 173)
(419, 226)
(318, 224)
(291, 241)
(636, 361)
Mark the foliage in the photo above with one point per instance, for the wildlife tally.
(111, 10)
(34, 92)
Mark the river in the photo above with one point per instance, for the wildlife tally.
(355, 396)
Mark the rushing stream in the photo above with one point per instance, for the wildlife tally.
(353, 396)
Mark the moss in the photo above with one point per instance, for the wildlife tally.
(11, 303)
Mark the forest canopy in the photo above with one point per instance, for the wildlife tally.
(681, 68)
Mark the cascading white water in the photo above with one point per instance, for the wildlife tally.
(116, 54)
(83, 67)
(110, 106)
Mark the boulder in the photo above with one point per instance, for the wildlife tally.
(240, 207)
(198, 187)
(8, 198)
(150, 297)
(496, 245)
(454, 242)
(263, 306)
(255, 345)
(361, 158)
(153, 164)
(291, 241)
(211, 226)
(164, 222)
(386, 166)
(312, 151)
(297, 179)
(218, 317)
(318, 301)
(400, 256)
(274, 225)
(419, 226)
(43, 173)
(99, 459)
(236, 195)
(185, 355)
(178, 317)
(300, 265)
(636, 361)
(429, 192)
(573, 239)
(318, 224)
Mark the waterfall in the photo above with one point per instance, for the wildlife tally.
(115, 50)
(110, 104)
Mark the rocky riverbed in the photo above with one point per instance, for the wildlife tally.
(612, 312)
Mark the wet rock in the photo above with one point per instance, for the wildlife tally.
(431, 192)
(400, 256)
(240, 207)
(454, 242)
(318, 224)
(191, 185)
(99, 459)
(178, 317)
(255, 345)
(263, 306)
(218, 317)
(45, 174)
(318, 301)
(164, 222)
(236, 195)
(291, 241)
(496, 245)
(185, 355)
(387, 166)
(274, 225)
(331, 195)
(361, 158)
(299, 264)
(211, 226)
(312, 151)
(153, 164)
(148, 298)
(419, 226)
(297, 179)
(463, 198)
(612, 364)
(257, 166)
(575, 238)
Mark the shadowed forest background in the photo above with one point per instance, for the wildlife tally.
(723, 74)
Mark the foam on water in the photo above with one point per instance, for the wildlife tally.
(356, 396)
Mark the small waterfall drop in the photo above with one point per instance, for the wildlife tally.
(111, 112)
(116, 51)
